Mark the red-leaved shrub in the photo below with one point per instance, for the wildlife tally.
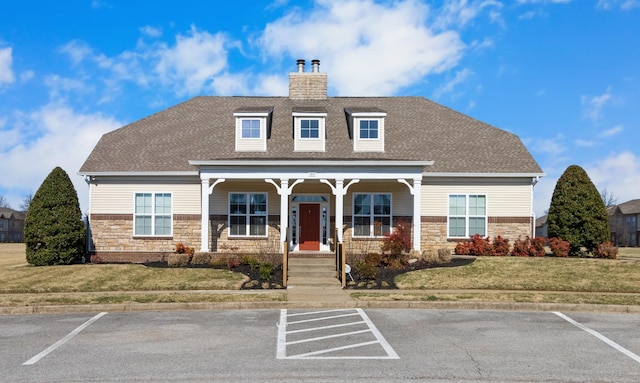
(606, 250)
(559, 247)
(500, 246)
(480, 246)
(521, 247)
(536, 247)
(462, 248)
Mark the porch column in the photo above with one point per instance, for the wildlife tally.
(204, 223)
(284, 190)
(415, 190)
(339, 191)
(206, 190)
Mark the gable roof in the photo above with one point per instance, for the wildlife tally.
(416, 129)
(8, 213)
(629, 207)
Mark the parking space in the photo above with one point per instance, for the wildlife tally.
(330, 334)
(321, 345)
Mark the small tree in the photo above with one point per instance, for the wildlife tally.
(577, 213)
(53, 230)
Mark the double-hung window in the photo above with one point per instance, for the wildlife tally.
(371, 215)
(467, 215)
(248, 214)
(153, 214)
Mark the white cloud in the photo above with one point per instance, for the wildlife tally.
(461, 12)
(191, 65)
(543, 1)
(612, 131)
(460, 77)
(6, 61)
(54, 135)
(151, 31)
(77, 51)
(624, 4)
(619, 173)
(592, 106)
(369, 48)
(585, 143)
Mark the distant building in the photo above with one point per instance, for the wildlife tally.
(11, 225)
(542, 226)
(624, 223)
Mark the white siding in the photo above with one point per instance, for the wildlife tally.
(115, 196)
(505, 197)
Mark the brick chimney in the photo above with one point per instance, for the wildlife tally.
(308, 85)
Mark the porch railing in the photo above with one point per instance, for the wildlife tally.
(340, 260)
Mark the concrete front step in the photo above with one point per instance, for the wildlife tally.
(312, 272)
(314, 281)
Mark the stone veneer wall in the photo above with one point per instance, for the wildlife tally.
(221, 242)
(113, 241)
(434, 230)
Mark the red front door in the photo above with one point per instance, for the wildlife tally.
(309, 226)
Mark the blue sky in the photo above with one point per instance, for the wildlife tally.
(564, 75)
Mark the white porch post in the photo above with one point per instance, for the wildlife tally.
(415, 190)
(206, 190)
(339, 191)
(284, 190)
(204, 204)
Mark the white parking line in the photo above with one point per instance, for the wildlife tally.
(64, 340)
(330, 315)
(600, 336)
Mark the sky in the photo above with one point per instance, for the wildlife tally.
(563, 75)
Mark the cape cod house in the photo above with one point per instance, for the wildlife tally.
(247, 174)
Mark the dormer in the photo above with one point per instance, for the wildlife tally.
(366, 128)
(309, 129)
(253, 128)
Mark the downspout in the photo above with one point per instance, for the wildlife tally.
(88, 180)
(534, 181)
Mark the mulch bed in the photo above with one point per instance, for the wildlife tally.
(384, 277)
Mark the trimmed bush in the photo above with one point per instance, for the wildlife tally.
(536, 247)
(373, 259)
(178, 260)
(500, 246)
(480, 246)
(462, 248)
(201, 259)
(444, 255)
(559, 247)
(607, 250)
(365, 270)
(521, 247)
(249, 260)
(54, 233)
(266, 270)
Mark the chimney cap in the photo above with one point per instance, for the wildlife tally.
(315, 65)
(300, 64)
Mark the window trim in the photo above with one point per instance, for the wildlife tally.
(467, 215)
(251, 144)
(260, 129)
(153, 215)
(315, 144)
(248, 215)
(378, 128)
(371, 215)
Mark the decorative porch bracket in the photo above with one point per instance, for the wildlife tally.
(284, 190)
(415, 191)
(339, 191)
(205, 193)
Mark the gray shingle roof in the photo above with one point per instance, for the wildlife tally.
(630, 207)
(416, 129)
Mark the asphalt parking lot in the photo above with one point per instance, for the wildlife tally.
(375, 345)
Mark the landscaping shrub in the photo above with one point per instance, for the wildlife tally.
(178, 260)
(374, 259)
(536, 247)
(480, 246)
(559, 247)
(577, 213)
(232, 262)
(500, 246)
(606, 250)
(462, 248)
(201, 259)
(365, 270)
(266, 270)
(397, 244)
(249, 260)
(181, 248)
(444, 255)
(521, 247)
(54, 233)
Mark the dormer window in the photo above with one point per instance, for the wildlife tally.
(253, 126)
(366, 129)
(309, 129)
